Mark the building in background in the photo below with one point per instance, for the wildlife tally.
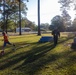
(26, 29)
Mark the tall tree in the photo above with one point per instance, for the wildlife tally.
(44, 26)
(66, 18)
(74, 25)
(12, 7)
(64, 8)
(57, 22)
(39, 33)
(19, 15)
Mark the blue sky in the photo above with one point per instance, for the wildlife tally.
(48, 9)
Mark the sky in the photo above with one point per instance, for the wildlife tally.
(48, 9)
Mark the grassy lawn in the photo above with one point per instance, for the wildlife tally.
(38, 58)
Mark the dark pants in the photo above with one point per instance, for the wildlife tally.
(6, 43)
(55, 40)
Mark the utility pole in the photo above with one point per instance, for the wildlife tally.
(39, 32)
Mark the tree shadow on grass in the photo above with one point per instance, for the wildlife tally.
(23, 43)
(26, 55)
(68, 64)
(64, 40)
(34, 59)
(35, 62)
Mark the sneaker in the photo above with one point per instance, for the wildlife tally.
(14, 45)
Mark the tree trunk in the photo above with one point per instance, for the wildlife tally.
(39, 33)
(20, 17)
(4, 25)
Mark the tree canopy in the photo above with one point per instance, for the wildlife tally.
(57, 22)
(11, 15)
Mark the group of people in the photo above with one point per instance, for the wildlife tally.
(55, 34)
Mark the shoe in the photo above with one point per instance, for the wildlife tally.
(14, 45)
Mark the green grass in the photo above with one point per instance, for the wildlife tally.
(38, 58)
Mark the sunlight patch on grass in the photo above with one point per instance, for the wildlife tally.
(38, 58)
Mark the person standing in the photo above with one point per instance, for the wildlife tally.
(55, 34)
